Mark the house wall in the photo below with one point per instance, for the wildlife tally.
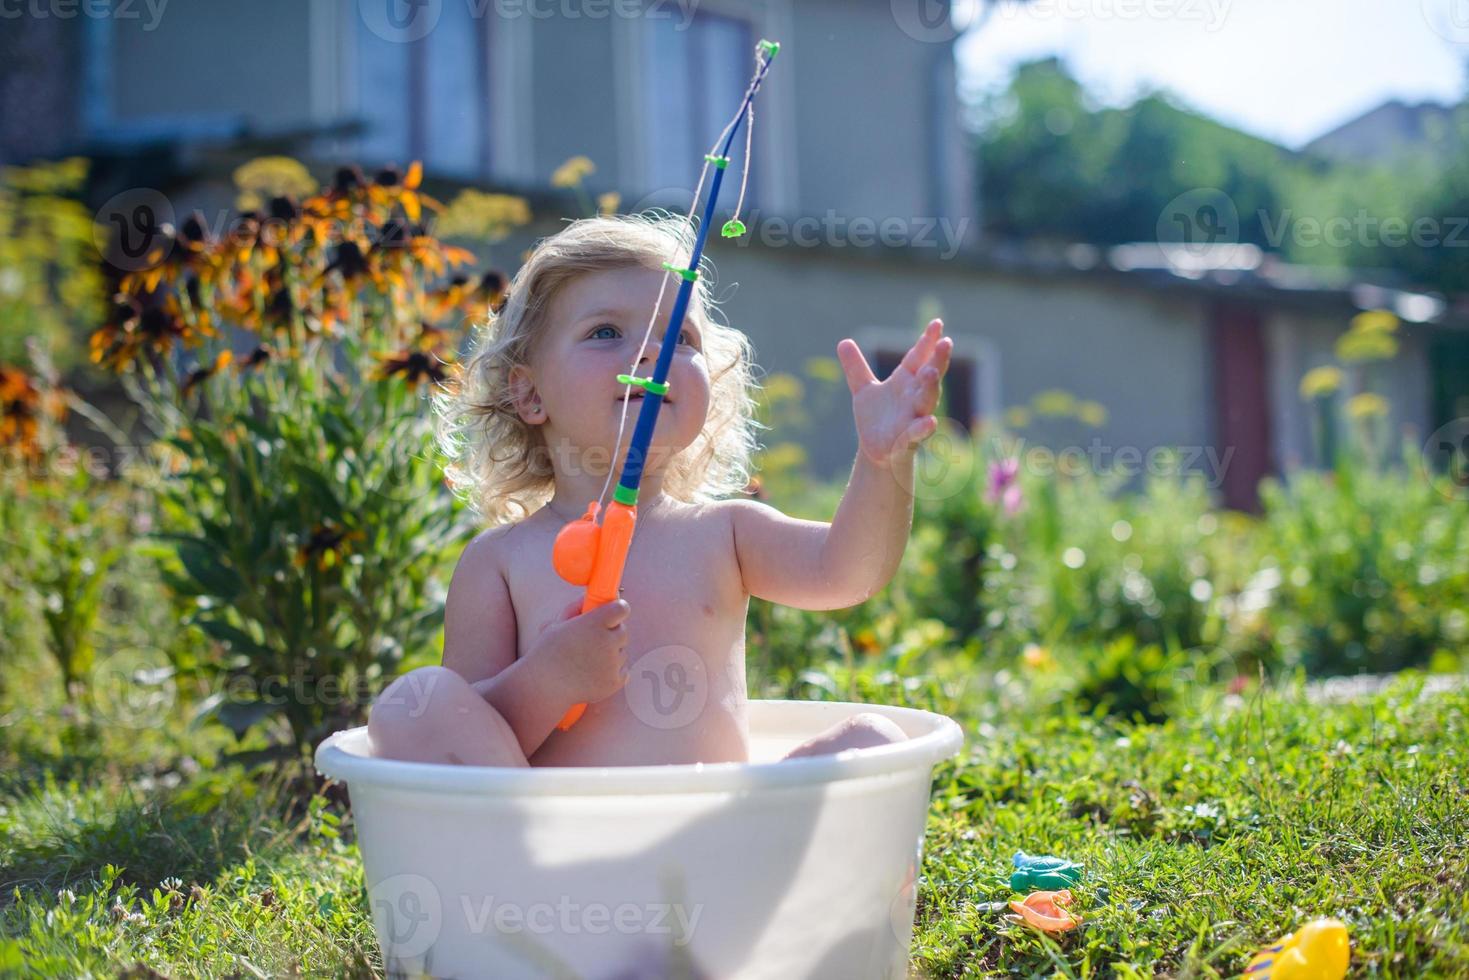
(40, 58)
(575, 110)
(1142, 357)
(253, 59)
(866, 115)
(855, 117)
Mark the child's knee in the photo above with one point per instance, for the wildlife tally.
(435, 715)
(863, 730)
(415, 702)
(868, 728)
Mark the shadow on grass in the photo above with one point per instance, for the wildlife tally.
(65, 835)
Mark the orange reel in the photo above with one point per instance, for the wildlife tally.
(591, 554)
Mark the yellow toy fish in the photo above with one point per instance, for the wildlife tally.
(1318, 950)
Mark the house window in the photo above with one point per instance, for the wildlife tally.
(696, 75)
(959, 400)
(385, 73)
(424, 99)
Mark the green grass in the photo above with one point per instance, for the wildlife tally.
(1208, 836)
(1203, 838)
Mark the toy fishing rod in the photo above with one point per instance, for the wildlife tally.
(591, 554)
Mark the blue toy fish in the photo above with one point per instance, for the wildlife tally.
(1039, 871)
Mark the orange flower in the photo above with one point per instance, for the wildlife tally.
(134, 329)
(202, 373)
(23, 407)
(389, 187)
(348, 191)
(187, 250)
(461, 293)
(399, 248)
(258, 357)
(423, 361)
(327, 543)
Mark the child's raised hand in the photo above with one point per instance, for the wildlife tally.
(895, 415)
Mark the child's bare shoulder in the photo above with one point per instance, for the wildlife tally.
(737, 511)
(723, 514)
(493, 549)
(482, 559)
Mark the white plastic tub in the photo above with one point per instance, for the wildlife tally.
(781, 869)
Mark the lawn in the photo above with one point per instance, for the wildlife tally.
(1203, 837)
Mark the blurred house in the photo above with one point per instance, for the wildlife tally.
(1391, 132)
(861, 199)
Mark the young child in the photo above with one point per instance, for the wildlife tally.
(531, 430)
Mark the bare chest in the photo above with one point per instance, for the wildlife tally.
(681, 581)
(685, 693)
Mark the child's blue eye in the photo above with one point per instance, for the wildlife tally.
(605, 332)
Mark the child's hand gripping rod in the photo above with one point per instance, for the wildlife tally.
(591, 554)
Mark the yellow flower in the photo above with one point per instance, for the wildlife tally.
(827, 369)
(783, 456)
(1017, 418)
(1367, 406)
(1375, 321)
(1320, 382)
(572, 172)
(1093, 414)
(1036, 656)
(1356, 346)
(482, 217)
(608, 203)
(1054, 402)
(781, 387)
(267, 177)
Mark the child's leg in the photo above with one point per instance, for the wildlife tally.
(861, 731)
(433, 715)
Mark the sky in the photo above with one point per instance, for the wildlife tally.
(1287, 70)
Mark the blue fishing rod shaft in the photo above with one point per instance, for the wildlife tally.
(642, 436)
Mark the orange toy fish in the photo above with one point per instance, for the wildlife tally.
(1044, 911)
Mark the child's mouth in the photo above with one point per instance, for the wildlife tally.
(637, 396)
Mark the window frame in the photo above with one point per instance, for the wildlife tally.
(774, 149)
(488, 47)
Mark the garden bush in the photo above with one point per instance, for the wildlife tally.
(282, 368)
(1366, 570)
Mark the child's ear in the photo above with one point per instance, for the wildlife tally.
(527, 399)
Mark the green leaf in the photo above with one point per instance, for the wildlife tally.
(212, 575)
(236, 638)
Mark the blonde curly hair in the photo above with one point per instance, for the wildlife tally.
(499, 464)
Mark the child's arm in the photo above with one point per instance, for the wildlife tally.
(812, 565)
(534, 691)
(480, 641)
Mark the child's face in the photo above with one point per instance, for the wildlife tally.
(596, 323)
